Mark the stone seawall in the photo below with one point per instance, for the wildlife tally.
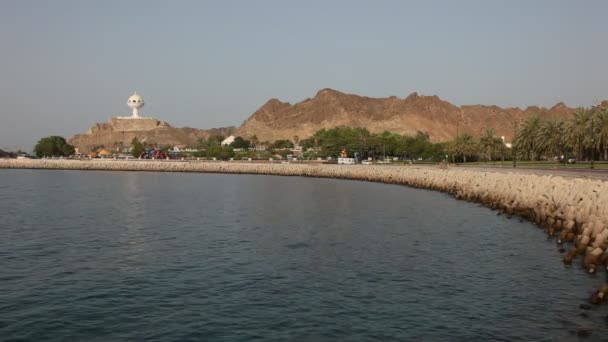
(573, 210)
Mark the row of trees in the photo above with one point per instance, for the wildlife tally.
(207, 148)
(329, 143)
(487, 147)
(583, 135)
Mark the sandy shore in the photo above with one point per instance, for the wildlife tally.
(574, 210)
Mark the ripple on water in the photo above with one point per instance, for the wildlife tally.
(155, 256)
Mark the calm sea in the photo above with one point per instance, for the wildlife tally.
(111, 256)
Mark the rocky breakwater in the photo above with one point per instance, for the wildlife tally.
(572, 210)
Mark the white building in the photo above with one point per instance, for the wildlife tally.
(228, 141)
(135, 102)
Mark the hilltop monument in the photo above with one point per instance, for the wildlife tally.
(119, 131)
(135, 102)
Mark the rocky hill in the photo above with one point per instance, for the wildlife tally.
(119, 132)
(331, 108)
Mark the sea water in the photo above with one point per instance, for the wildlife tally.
(100, 256)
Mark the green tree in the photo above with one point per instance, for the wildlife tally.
(334, 140)
(254, 141)
(388, 144)
(278, 144)
(136, 147)
(53, 146)
(465, 147)
(307, 143)
(253, 154)
(355, 139)
(204, 144)
(219, 152)
(601, 130)
(577, 131)
(239, 142)
(421, 147)
(526, 137)
(550, 138)
(489, 142)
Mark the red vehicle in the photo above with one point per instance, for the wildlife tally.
(153, 154)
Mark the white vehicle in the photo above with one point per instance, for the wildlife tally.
(346, 161)
(366, 162)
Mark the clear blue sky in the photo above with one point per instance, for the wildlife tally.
(67, 64)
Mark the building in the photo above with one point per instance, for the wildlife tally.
(135, 102)
(228, 141)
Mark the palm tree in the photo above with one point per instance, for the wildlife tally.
(577, 130)
(254, 141)
(601, 130)
(467, 146)
(549, 138)
(453, 149)
(526, 136)
(488, 142)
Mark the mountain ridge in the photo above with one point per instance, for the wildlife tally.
(330, 108)
(426, 113)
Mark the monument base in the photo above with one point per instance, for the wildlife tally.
(127, 124)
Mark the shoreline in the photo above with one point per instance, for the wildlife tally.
(573, 210)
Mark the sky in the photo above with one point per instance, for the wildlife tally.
(65, 65)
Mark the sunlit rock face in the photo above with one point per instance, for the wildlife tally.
(405, 115)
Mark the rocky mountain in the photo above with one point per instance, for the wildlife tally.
(119, 132)
(430, 114)
(329, 108)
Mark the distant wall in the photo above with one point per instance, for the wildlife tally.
(132, 125)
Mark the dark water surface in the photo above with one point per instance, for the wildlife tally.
(106, 256)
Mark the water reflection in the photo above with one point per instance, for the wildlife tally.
(191, 256)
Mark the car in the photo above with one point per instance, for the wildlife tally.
(571, 161)
(366, 162)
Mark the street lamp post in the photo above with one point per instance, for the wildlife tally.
(384, 151)
(513, 148)
(457, 143)
(592, 166)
